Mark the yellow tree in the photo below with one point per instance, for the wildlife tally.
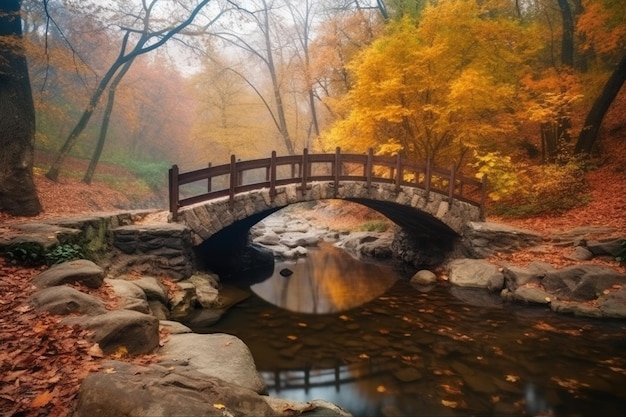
(435, 89)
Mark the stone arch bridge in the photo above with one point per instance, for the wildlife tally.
(426, 201)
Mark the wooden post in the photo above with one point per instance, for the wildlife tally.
(369, 167)
(483, 197)
(173, 187)
(337, 169)
(398, 172)
(273, 176)
(208, 187)
(428, 178)
(233, 178)
(303, 168)
(451, 188)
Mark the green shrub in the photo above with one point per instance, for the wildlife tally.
(63, 253)
(34, 254)
(26, 253)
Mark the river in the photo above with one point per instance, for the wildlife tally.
(359, 335)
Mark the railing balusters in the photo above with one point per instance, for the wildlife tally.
(233, 178)
(174, 190)
(273, 176)
(303, 168)
(337, 168)
(370, 167)
(451, 188)
(398, 171)
(236, 170)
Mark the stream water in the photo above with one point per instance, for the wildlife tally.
(359, 335)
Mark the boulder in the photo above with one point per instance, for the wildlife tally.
(63, 300)
(153, 288)
(581, 282)
(614, 304)
(78, 271)
(131, 295)
(206, 289)
(135, 332)
(217, 355)
(423, 277)
(475, 273)
(486, 238)
(532, 295)
(124, 389)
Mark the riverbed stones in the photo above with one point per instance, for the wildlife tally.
(423, 277)
(475, 273)
(79, 271)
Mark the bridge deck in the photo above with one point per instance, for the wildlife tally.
(240, 176)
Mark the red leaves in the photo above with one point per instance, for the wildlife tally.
(41, 362)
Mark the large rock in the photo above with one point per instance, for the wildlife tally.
(614, 304)
(217, 355)
(130, 294)
(486, 238)
(123, 389)
(581, 283)
(476, 273)
(63, 300)
(135, 332)
(79, 271)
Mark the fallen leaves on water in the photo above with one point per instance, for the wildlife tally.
(450, 404)
(512, 378)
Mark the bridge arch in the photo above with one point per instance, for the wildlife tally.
(415, 210)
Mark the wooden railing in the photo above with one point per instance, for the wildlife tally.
(240, 176)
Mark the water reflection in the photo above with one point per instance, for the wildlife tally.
(328, 280)
(408, 353)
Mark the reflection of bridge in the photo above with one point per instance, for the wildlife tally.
(420, 198)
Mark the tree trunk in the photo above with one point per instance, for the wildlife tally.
(591, 129)
(104, 127)
(18, 195)
(567, 39)
(278, 100)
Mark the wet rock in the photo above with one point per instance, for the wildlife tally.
(63, 300)
(475, 273)
(408, 374)
(423, 277)
(614, 304)
(532, 295)
(79, 271)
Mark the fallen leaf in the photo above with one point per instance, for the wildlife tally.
(41, 400)
(219, 406)
(450, 404)
(512, 378)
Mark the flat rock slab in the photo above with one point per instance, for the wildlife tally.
(46, 235)
(136, 332)
(80, 271)
(63, 300)
(123, 389)
(218, 355)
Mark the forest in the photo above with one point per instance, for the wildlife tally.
(513, 89)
